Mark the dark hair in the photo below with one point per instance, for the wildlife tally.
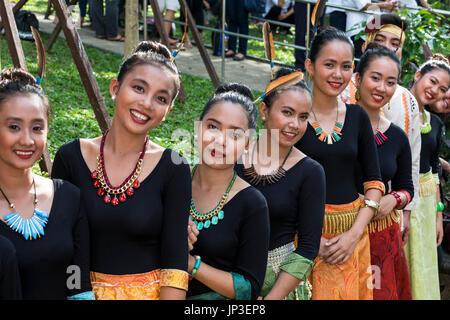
(325, 36)
(268, 99)
(390, 18)
(18, 82)
(436, 61)
(235, 93)
(152, 53)
(375, 51)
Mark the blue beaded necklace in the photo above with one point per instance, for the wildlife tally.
(31, 228)
(212, 217)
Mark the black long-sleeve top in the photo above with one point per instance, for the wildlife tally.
(296, 205)
(431, 146)
(61, 255)
(340, 159)
(239, 243)
(146, 232)
(10, 287)
(394, 156)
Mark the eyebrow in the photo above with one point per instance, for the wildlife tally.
(384, 37)
(21, 120)
(232, 127)
(147, 84)
(332, 60)
(380, 74)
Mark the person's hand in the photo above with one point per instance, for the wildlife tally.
(439, 229)
(206, 5)
(338, 250)
(387, 204)
(406, 225)
(192, 234)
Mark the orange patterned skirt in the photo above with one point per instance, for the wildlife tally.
(353, 279)
(141, 286)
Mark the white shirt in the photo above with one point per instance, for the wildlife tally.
(284, 8)
(354, 18)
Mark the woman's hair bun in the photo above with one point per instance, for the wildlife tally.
(152, 46)
(236, 87)
(17, 75)
(438, 57)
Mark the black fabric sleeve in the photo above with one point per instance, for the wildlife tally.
(176, 202)
(254, 233)
(10, 286)
(60, 168)
(311, 204)
(81, 246)
(435, 162)
(367, 150)
(402, 180)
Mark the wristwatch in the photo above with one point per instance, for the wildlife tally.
(372, 204)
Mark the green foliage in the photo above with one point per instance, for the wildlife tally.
(427, 28)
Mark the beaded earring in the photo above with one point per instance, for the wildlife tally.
(357, 95)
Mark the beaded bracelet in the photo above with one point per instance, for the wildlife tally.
(439, 207)
(398, 198)
(196, 266)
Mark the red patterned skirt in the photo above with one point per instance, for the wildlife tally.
(389, 267)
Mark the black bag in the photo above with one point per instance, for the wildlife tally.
(255, 6)
(25, 19)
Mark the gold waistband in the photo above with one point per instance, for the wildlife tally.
(339, 218)
(389, 220)
(427, 184)
(165, 277)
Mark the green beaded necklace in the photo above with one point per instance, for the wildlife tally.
(426, 126)
(212, 217)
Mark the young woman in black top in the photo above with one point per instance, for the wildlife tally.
(376, 80)
(42, 217)
(136, 193)
(229, 225)
(431, 82)
(338, 136)
(294, 186)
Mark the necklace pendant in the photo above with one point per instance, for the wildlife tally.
(94, 174)
(115, 201)
(122, 197)
(97, 184)
(136, 184)
(107, 198)
(100, 192)
(130, 191)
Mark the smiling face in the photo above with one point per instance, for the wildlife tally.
(378, 83)
(390, 41)
(332, 68)
(23, 131)
(143, 98)
(223, 134)
(430, 87)
(288, 115)
(443, 105)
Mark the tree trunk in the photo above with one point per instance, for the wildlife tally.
(131, 26)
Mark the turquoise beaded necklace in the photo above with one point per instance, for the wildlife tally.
(212, 217)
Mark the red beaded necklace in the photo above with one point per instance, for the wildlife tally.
(111, 194)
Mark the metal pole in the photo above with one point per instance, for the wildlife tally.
(145, 20)
(308, 18)
(222, 38)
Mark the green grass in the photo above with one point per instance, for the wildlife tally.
(72, 113)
